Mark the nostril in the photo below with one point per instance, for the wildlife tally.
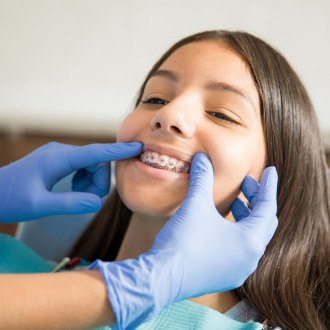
(176, 130)
(169, 128)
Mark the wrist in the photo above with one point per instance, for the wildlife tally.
(138, 289)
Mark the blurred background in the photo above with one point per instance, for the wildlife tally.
(70, 69)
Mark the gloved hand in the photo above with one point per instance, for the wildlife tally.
(197, 251)
(25, 185)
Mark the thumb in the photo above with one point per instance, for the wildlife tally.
(200, 187)
(71, 203)
(267, 195)
(201, 177)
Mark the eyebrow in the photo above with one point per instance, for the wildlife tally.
(165, 74)
(221, 86)
(210, 85)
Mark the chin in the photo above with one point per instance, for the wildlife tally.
(150, 204)
(148, 195)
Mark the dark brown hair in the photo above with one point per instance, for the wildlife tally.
(290, 287)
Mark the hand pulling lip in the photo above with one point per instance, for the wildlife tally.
(168, 152)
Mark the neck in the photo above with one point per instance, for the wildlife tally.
(139, 238)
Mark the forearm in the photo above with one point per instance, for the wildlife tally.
(68, 300)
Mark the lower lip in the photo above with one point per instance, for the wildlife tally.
(160, 173)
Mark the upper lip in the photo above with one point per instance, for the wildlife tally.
(163, 150)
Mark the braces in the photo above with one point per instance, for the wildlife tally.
(170, 166)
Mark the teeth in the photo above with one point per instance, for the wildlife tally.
(171, 163)
(153, 157)
(179, 166)
(163, 161)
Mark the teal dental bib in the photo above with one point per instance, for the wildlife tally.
(16, 257)
(187, 315)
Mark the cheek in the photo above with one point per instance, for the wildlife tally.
(130, 127)
(231, 163)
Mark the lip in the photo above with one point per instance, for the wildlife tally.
(168, 152)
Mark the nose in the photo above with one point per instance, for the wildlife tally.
(176, 118)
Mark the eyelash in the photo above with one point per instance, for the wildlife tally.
(153, 99)
(220, 115)
(217, 115)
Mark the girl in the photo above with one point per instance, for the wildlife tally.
(235, 98)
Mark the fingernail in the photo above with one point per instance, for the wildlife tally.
(201, 163)
(270, 172)
(135, 144)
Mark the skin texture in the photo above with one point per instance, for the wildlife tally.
(184, 121)
(183, 109)
(59, 302)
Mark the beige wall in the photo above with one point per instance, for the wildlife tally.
(69, 69)
(73, 66)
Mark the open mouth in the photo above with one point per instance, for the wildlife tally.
(164, 162)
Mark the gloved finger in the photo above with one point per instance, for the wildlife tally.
(239, 209)
(200, 192)
(201, 178)
(271, 230)
(267, 195)
(82, 157)
(250, 188)
(263, 214)
(64, 161)
(95, 180)
(100, 180)
(53, 146)
(70, 203)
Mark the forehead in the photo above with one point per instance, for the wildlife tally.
(206, 51)
(198, 63)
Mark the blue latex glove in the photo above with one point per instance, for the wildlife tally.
(25, 185)
(197, 251)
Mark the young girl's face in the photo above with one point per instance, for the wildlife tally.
(201, 99)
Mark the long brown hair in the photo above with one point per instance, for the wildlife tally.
(290, 287)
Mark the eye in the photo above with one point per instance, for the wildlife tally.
(221, 116)
(155, 100)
